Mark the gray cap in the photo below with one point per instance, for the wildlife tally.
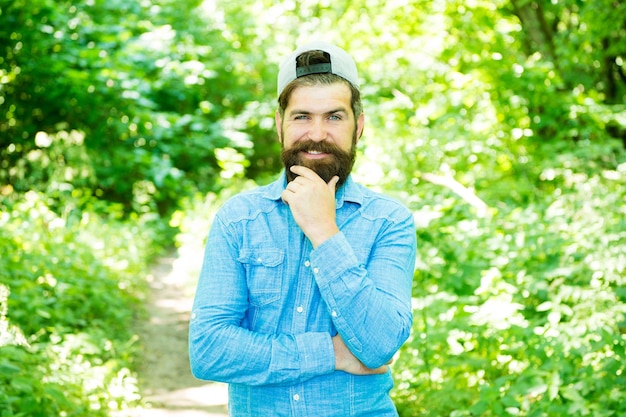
(341, 64)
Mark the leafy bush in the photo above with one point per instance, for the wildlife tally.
(521, 312)
(76, 287)
(125, 99)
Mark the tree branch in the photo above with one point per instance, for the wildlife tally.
(459, 189)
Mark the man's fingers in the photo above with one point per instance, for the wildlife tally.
(377, 371)
(312, 175)
(286, 196)
(383, 369)
(304, 172)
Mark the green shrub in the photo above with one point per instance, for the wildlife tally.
(522, 312)
(76, 287)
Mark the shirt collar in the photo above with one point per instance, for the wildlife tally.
(349, 191)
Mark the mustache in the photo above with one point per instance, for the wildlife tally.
(311, 145)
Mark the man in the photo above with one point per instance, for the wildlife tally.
(305, 290)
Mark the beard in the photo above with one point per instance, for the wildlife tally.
(337, 162)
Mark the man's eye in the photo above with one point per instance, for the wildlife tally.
(300, 117)
(334, 117)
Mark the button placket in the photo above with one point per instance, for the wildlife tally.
(301, 300)
(297, 400)
(300, 308)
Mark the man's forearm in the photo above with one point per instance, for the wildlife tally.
(370, 307)
(232, 354)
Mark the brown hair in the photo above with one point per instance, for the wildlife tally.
(316, 57)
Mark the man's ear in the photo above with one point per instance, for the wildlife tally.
(360, 125)
(279, 125)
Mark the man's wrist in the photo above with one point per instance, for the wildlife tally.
(322, 236)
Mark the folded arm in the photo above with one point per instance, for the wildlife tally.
(222, 349)
(370, 304)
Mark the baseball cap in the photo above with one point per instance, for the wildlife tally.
(341, 64)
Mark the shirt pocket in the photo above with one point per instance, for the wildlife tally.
(264, 274)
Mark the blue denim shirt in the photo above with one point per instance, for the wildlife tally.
(267, 304)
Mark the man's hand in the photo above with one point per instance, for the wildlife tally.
(312, 203)
(347, 362)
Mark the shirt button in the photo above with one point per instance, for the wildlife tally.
(296, 397)
(307, 263)
(316, 270)
(333, 313)
(300, 309)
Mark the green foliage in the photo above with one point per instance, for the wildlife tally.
(142, 91)
(516, 314)
(75, 287)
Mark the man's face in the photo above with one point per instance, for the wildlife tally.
(319, 131)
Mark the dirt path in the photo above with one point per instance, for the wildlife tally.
(165, 380)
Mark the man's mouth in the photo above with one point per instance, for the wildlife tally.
(314, 154)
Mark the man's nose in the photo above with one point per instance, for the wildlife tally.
(318, 131)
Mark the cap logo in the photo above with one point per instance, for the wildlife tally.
(314, 69)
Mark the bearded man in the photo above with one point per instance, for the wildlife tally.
(304, 295)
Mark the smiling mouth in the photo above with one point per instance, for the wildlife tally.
(315, 154)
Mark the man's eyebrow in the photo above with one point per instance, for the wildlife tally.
(338, 110)
(296, 111)
(308, 112)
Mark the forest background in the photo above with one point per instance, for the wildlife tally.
(501, 124)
